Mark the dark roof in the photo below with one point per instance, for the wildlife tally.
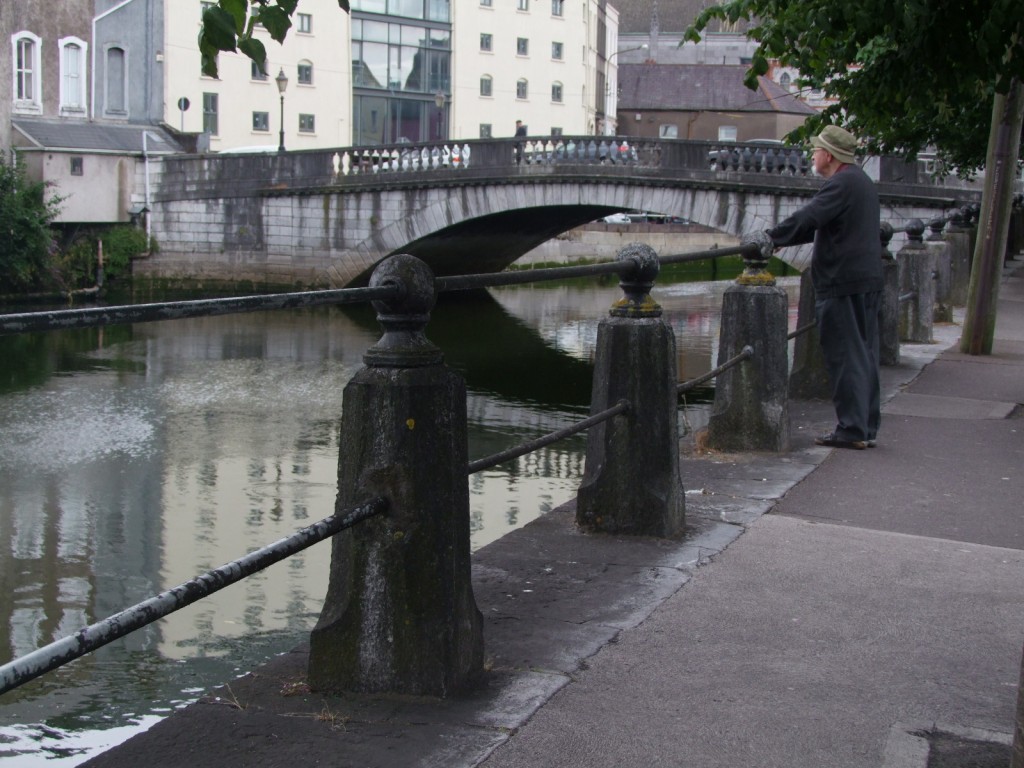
(79, 135)
(674, 16)
(701, 87)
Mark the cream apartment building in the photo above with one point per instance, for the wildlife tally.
(242, 107)
(544, 62)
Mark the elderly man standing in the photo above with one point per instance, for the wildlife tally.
(843, 221)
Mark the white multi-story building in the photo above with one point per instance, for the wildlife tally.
(539, 61)
(94, 97)
(243, 106)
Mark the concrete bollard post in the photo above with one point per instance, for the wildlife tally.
(943, 310)
(400, 616)
(958, 236)
(751, 407)
(917, 286)
(889, 317)
(631, 481)
(808, 378)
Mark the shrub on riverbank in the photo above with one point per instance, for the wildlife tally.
(27, 245)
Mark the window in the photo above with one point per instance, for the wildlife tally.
(727, 133)
(557, 51)
(486, 42)
(523, 5)
(486, 86)
(210, 113)
(486, 131)
(261, 121)
(305, 73)
(486, 3)
(307, 123)
(785, 80)
(556, 93)
(27, 72)
(556, 131)
(522, 46)
(305, 23)
(522, 89)
(116, 82)
(400, 57)
(77, 166)
(557, 7)
(668, 131)
(72, 74)
(257, 73)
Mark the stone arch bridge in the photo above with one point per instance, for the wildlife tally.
(326, 217)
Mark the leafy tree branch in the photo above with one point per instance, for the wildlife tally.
(229, 26)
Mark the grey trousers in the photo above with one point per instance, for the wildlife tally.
(848, 329)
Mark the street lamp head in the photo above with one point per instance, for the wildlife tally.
(282, 81)
(642, 47)
(439, 99)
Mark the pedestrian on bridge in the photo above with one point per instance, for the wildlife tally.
(843, 221)
(520, 132)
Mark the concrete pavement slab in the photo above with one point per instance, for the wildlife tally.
(799, 647)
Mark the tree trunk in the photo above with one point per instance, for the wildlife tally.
(994, 222)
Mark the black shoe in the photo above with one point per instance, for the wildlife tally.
(837, 442)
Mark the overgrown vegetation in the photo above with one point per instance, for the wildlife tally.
(27, 243)
(32, 260)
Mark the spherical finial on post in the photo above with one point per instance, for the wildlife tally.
(636, 282)
(404, 317)
(915, 231)
(885, 234)
(757, 250)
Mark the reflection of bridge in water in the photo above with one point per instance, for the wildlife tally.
(327, 216)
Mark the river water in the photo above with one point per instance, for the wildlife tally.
(133, 458)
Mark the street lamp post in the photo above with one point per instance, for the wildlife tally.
(439, 103)
(282, 84)
(611, 86)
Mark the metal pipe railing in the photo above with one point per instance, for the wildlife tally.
(93, 317)
(552, 437)
(49, 657)
(744, 354)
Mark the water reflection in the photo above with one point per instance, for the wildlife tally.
(134, 458)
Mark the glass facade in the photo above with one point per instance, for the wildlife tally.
(401, 70)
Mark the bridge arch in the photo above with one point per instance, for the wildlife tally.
(295, 219)
(488, 227)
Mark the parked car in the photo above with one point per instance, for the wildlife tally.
(616, 218)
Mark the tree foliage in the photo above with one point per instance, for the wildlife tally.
(229, 26)
(26, 241)
(906, 75)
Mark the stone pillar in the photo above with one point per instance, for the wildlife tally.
(943, 311)
(631, 481)
(958, 237)
(400, 616)
(889, 315)
(808, 378)
(917, 286)
(751, 408)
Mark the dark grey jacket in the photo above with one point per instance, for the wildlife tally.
(843, 220)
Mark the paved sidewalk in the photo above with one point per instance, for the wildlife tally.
(828, 608)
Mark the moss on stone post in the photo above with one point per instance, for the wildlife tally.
(889, 312)
(400, 616)
(958, 235)
(808, 379)
(631, 482)
(917, 286)
(751, 408)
